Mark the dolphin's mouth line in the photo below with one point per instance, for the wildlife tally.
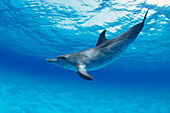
(51, 60)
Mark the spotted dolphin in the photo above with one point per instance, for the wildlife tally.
(98, 57)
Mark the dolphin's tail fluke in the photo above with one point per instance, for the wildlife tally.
(145, 16)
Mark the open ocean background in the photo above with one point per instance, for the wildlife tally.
(33, 30)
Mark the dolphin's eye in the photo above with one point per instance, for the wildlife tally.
(63, 58)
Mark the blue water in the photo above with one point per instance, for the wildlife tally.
(33, 30)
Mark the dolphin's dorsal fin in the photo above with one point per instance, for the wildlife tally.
(102, 38)
(82, 72)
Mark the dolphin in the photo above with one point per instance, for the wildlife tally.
(98, 57)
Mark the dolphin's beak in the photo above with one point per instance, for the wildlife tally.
(52, 60)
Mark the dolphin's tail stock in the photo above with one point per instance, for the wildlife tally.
(145, 16)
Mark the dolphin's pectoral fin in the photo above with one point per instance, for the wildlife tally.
(102, 38)
(83, 73)
(83, 76)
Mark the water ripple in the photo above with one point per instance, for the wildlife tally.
(47, 26)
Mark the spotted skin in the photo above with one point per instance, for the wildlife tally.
(103, 54)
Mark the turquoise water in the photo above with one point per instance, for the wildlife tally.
(33, 30)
